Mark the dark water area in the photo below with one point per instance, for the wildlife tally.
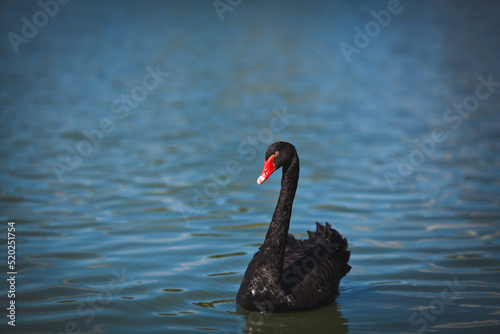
(132, 133)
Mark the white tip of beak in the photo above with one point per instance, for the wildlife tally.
(260, 180)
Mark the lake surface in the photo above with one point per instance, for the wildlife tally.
(132, 134)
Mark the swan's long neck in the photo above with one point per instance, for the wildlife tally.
(273, 248)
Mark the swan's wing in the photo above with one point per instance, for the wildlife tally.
(313, 268)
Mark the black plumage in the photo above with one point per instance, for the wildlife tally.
(287, 274)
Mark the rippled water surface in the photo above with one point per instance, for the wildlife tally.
(133, 133)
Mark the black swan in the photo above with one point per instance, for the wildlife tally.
(287, 274)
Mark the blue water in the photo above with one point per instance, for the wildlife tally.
(132, 134)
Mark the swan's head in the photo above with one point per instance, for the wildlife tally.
(279, 154)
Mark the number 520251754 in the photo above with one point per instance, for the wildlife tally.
(11, 242)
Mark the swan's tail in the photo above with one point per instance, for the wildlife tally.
(334, 240)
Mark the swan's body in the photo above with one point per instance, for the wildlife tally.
(287, 274)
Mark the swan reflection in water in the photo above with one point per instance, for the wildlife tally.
(328, 319)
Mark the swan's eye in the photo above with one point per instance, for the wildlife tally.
(276, 153)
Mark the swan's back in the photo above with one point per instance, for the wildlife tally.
(313, 268)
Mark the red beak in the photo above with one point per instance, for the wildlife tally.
(268, 169)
